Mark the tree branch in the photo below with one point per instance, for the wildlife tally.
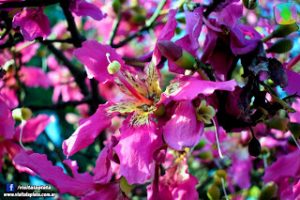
(31, 3)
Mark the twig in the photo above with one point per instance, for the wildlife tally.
(115, 28)
(31, 3)
(77, 38)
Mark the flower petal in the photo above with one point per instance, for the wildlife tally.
(87, 131)
(93, 55)
(187, 88)
(6, 121)
(135, 151)
(40, 165)
(183, 129)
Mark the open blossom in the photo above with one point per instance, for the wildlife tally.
(33, 23)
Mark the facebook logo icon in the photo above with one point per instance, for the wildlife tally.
(10, 187)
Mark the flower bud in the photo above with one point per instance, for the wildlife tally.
(200, 145)
(284, 30)
(268, 192)
(254, 147)
(281, 46)
(21, 114)
(113, 67)
(206, 155)
(205, 112)
(278, 123)
(213, 192)
(176, 54)
(116, 4)
(250, 4)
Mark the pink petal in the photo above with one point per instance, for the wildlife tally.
(34, 77)
(102, 170)
(33, 23)
(190, 87)
(87, 131)
(54, 175)
(106, 192)
(135, 151)
(183, 129)
(83, 8)
(93, 55)
(285, 166)
(32, 128)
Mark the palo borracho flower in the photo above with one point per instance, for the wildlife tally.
(142, 101)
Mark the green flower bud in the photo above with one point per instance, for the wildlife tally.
(116, 4)
(186, 61)
(281, 46)
(206, 155)
(213, 192)
(284, 30)
(113, 67)
(250, 4)
(200, 145)
(278, 123)
(21, 114)
(268, 192)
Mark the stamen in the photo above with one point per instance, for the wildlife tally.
(21, 134)
(217, 140)
(107, 57)
(224, 188)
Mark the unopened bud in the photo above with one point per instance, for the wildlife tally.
(176, 54)
(268, 192)
(254, 147)
(206, 155)
(116, 4)
(213, 192)
(284, 30)
(281, 46)
(113, 67)
(21, 114)
(250, 4)
(278, 123)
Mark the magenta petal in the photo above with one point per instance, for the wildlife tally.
(166, 34)
(285, 166)
(34, 77)
(6, 121)
(102, 171)
(87, 131)
(32, 128)
(42, 167)
(293, 82)
(93, 55)
(83, 8)
(135, 151)
(240, 171)
(106, 192)
(33, 23)
(187, 88)
(183, 129)
(243, 39)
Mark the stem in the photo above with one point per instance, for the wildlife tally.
(217, 140)
(115, 28)
(224, 188)
(293, 62)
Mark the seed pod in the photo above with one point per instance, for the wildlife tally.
(254, 147)
(281, 46)
(250, 4)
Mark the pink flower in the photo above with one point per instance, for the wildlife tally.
(63, 82)
(83, 8)
(34, 77)
(6, 121)
(33, 23)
